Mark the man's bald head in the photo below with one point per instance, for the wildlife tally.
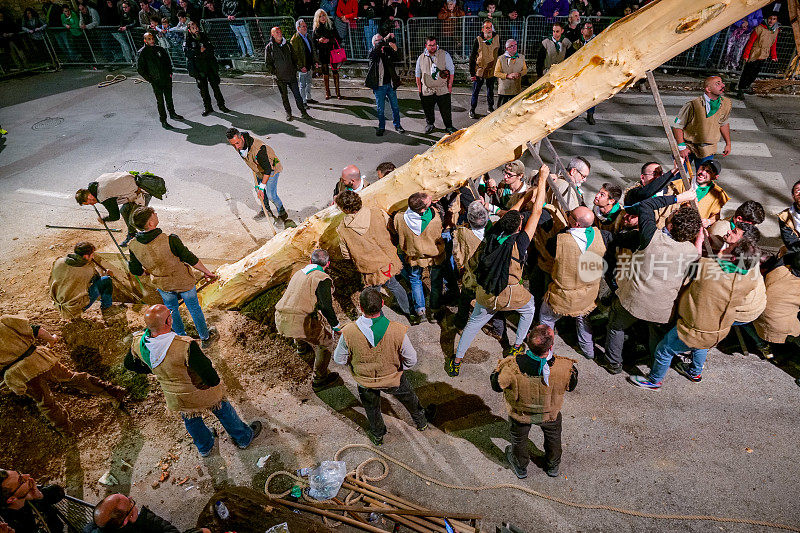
(113, 510)
(713, 86)
(582, 217)
(156, 317)
(351, 176)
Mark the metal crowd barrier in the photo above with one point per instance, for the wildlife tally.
(26, 53)
(246, 36)
(357, 40)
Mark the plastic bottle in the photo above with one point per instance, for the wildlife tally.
(222, 510)
(326, 480)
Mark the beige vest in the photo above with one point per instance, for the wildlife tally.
(167, 272)
(779, 319)
(16, 338)
(763, 43)
(421, 250)
(465, 245)
(69, 287)
(487, 56)
(364, 238)
(701, 132)
(250, 159)
(375, 367)
(296, 314)
(568, 294)
(179, 383)
(506, 65)
(709, 207)
(528, 399)
(514, 296)
(119, 185)
(431, 86)
(707, 309)
(754, 303)
(650, 282)
(540, 238)
(554, 56)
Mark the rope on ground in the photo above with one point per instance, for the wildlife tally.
(383, 457)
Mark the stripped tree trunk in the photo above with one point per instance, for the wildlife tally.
(612, 61)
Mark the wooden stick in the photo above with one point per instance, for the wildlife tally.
(422, 525)
(340, 508)
(411, 512)
(115, 230)
(562, 203)
(334, 516)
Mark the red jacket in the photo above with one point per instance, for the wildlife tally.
(349, 9)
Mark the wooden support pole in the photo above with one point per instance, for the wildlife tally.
(328, 514)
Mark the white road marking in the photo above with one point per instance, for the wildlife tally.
(737, 123)
(651, 144)
(63, 196)
(670, 100)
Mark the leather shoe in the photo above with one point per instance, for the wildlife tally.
(175, 116)
(224, 109)
(429, 128)
(379, 132)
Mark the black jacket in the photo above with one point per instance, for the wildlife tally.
(147, 522)
(237, 8)
(386, 55)
(200, 64)
(25, 520)
(280, 61)
(154, 65)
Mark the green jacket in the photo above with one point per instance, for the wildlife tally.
(74, 23)
(299, 49)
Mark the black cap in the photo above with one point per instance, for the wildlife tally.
(713, 165)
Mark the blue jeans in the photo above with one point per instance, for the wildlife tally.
(304, 80)
(124, 45)
(271, 193)
(370, 29)
(380, 103)
(240, 432)
(669, 347)
(101, 288)
(243, 38)
(476, 92)
(173, 299)
(414, 276)
(704, 50)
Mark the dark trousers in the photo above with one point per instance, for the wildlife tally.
(202, 83)
(552, 442)
(371, 399)
(476, 92)
(443, 101)
(163, 93)
(619, 319)
(295, 88)
(749, 74)
(503, 98)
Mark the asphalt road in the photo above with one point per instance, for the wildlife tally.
(726, 446)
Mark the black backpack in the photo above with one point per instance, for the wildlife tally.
(151, 184)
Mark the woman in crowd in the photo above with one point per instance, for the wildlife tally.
(203, 67)
(326, 38)
(734, 48)
(34, 27)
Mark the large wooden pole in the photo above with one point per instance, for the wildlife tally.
(614, 60)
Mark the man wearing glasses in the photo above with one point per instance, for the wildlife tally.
(17, 490)
(577, 172)
(117, 512)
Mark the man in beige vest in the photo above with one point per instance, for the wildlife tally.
(434, 72)
(482, 59)
(650, 279)
(169, 264)
(365, 239)
(702, 121)
(578, 171)
(419, 232)
(467, 240)
(351, 180)
(554, 49)
(377, 351)
(534, 383)
(300, 311)
(266, 167)
(762, 45)
(706, 312)
(577, 271)
(187, 376)
(76, 282)
(509, 69)
(112, 190)
(30, 370)
(779, 321)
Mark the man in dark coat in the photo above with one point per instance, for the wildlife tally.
(21, 499)
(203, 67)
(280, 62)
(155, 67)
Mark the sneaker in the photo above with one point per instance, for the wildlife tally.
(376, 441)
(213, 444)
(472, 114)
(612, 368)
(451, 130)
(256, 426)
(224, 109)
(305, 115)
(644, 383)
(431, 315)
(452, 367)
(766, 351)
(175, 116)
(379, 132)
(324, 382)
(516, 350)
(429, 128)
(414, 320)
(302, 349)
(213, 335)
(683, 369)
(521, 473)
(430, 413)
(207, 112)
(400, 130)
(259, 215)
(551, 471)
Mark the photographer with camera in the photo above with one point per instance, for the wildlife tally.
(383, 79)
(434, 73)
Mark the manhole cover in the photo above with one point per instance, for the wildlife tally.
(109, 115)
(782, 121)
(47, 124)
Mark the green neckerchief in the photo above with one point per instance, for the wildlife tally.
(488, 42)
(541, 361)
(702, 191)
(771, 28)
(731, 268)
(502, 239)
(514, 56)
(145, 353)
(713, 106)
(733, 225)
(427, 216)
(316, 267)
(379, 327)
(557, 43)
(589, 236)
(614, 211)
